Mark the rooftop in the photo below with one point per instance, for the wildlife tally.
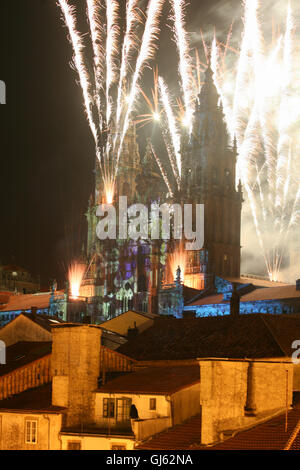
(26, 301)
(181, 437)
(257, 281)
(246, 336)
(270, 435)
(280, 292)
(22, 353)
(35, 399)
(154, 380)
(45, 321)
(272, 293)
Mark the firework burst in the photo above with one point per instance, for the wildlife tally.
(262, 111)
(111, 91)
(76, 274)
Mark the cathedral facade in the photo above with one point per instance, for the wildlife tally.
(127, 274)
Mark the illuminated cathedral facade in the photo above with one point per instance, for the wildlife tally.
(143, 275)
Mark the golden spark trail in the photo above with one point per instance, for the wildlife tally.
(185, 66)
(128, 46)
(164, 175)
(147, 50)
(112, 49)
(78, 47)
(76, 274)
(175, 137)
(97, 35)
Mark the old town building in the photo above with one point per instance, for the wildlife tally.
(222, 375)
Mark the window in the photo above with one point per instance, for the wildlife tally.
(108, 407)
(152, 403)
(74, 445)
(31, 431)
(123, 409)
(117, 408)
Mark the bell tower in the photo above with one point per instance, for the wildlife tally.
(129, 167)
(209, 166)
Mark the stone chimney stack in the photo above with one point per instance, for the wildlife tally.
(33, 311)
(234, 301)
(75, 368)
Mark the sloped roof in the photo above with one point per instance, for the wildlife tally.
(154, 380)
(272, 293)
(22, 353)
(4, 297)
(256, 281)
(35, 399)
(271, 435)
(45, 321)
(258, 294)
(181, 437)
(245, 336)
(209, 300)
(190, 293)
(26, 301)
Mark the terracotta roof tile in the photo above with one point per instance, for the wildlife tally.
(22, 353)
(26, 301)
(181, 437)
(271, 435)
(219, 337)
(209, 300)
(35, 399)
(154, 380)
(272, 293)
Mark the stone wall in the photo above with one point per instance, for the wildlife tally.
(23, 329)
(234, 394)
(75, 370)
(13, 430)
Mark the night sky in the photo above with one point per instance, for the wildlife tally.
(47, 151)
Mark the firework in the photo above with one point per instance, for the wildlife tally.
(109, 112)
(76, 274)
(258, 93)
(185, 64)
(267, 162)
(262, 114)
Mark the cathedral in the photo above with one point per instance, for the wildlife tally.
(126, 274)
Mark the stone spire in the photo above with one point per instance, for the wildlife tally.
(209, 120)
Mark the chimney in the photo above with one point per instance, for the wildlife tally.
(132, 332)
(298, 284)
(234, 302)
(33, 311)
(75, 366)
(189, 314)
